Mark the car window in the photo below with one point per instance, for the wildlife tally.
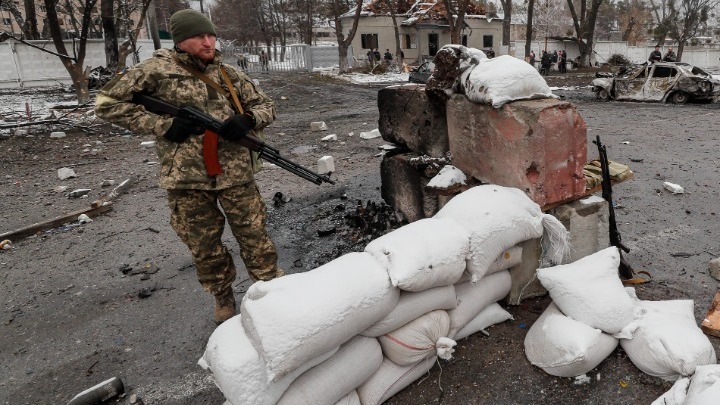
(664, 71)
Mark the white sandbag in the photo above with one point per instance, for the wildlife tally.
(704, 386)
(564, 347)
(502, 79)
(499, 218)
(675, 395)
(419, 339)
(474, 297)
(507, 260)
(412, 305)
(491, 315)
(427, 253)
(238, 369)
(350, 399)
(295, 318)
(590, 291)
(391, 379)
(331, 380)
(667, 342)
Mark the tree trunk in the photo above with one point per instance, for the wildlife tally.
(528, 29)
(107, 13)
(507, 14)
(344, 43)
(30, 29)
(398, 49)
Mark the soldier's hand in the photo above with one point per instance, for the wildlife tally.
(181, 129)
(236, 127)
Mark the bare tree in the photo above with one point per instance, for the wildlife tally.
(455, 11)
(73, 64)
(107, 14)
(392, 7)
(690, 15)
(584, 23)
(338, 9)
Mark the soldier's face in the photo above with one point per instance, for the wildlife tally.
(201, 46)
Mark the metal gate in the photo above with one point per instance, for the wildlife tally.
(291, 58)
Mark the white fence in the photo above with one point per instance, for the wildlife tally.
(708, 58)
(22, 65)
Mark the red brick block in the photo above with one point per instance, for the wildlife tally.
(539, 146)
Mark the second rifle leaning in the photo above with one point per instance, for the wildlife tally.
(207, 122)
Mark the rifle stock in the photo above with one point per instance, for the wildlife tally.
(251, 142)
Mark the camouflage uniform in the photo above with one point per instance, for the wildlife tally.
(193, 195)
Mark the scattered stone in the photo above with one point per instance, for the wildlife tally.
(80, 192)
(714, 267)
(145, 292)
(387, 147)
(375, 133)
(301, 150)
(147, 144)
(84, 219)
(318, 126)
(279, 199)
(107, 183)
(298, 263)
(100, 393)
(65, 173)
(326, 230)
(351, 134)
(58, 134)
(331, 137)
(60, 189)
(673, 188)
(283, 98)
(21, 132)
(326, 165)
(125, 268)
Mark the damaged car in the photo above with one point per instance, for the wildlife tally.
(675, 82)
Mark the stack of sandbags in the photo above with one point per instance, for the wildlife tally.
(364, 326)
(590, 305)
(591, 310)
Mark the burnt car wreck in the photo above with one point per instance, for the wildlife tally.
(676, 82)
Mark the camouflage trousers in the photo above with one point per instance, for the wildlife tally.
(198, 217)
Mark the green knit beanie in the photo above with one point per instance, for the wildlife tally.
(188, 23)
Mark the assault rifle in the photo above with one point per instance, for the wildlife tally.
(625, 271)
(212, 126)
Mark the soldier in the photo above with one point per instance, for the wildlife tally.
(176, 76)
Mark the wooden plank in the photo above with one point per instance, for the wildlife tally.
(588, 192)
(55, 222)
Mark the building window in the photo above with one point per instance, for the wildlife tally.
(409, 41)
(487, 41)
(464, 40)
(369, 41)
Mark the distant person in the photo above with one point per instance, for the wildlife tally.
(656, 55)
(401, 58)
(370, 57)
(562, 61)
(376, 55)
(264, 61)
(531, 58)
(670, 56)
(388, 57)
(545, 63)
(242, 61)
(554, 58)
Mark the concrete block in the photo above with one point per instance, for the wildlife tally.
(411, 119)
(403, 186)
(524, 282)
(538, 146)
(326, 165)
(714, 267)
(587, 221)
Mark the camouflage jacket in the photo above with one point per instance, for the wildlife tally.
(181, 164)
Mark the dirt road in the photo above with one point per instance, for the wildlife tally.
(71, 312)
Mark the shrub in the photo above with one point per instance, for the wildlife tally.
(618, 60)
